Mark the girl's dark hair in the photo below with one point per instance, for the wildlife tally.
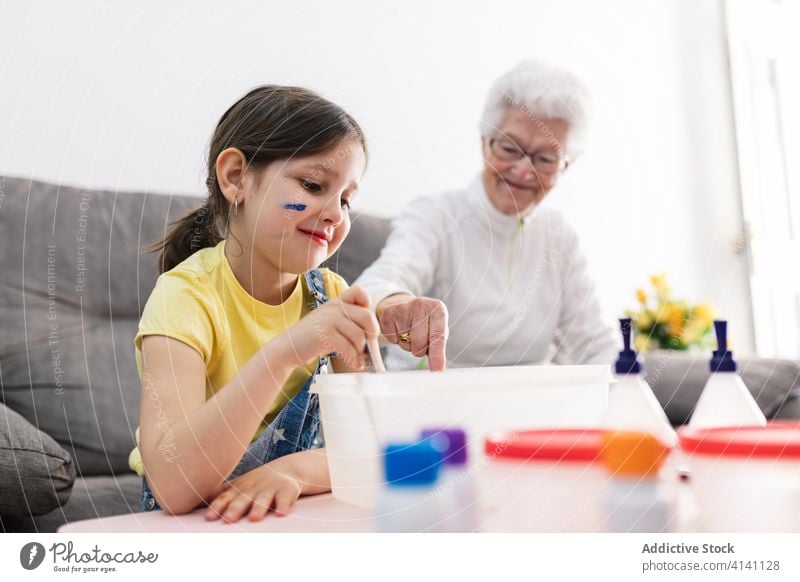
(270, 123)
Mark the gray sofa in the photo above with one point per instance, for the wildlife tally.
(73, 286)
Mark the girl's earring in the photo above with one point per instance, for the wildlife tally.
(236, 206)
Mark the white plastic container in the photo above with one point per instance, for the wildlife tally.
(545, 481)
(362, 412)
(745, 479)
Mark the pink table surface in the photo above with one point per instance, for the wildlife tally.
(316, 514)
(319, 513)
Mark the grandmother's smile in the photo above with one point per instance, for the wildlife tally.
(516, 186)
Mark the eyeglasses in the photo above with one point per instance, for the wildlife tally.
(542, 161)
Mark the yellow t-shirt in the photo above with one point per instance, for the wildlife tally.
(201, 303)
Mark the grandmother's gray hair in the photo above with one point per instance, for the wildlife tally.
(541, 91)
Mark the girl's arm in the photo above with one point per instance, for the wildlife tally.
(190, 445)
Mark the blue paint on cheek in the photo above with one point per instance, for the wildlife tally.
(295, 207)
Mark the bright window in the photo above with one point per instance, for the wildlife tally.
(765, 74)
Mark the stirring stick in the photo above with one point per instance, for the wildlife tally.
(374, 353)
(376, 365)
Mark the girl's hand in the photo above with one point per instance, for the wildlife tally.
(255, 493)
(343, 325)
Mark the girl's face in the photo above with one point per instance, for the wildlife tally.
(296, 212)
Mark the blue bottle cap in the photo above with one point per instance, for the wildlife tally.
(627, 363)
(722, 359)
(409, 464)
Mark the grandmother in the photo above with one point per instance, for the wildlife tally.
(487, 275)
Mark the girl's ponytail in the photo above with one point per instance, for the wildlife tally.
(270, 123)
(187, 235)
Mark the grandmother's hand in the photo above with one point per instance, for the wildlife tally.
(416, 324)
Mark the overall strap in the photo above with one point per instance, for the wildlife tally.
(315, 284)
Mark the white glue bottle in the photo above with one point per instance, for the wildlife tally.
(631, 403)
(456, 481)
(637, 499)
(725, 400)
(409, 502)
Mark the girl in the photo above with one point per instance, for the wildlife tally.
(241, 318)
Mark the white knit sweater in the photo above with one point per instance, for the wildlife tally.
(516, 290)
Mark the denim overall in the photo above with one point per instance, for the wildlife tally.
(295, 428)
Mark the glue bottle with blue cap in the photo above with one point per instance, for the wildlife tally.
(725, 400)
(631, 403)
(409, 502)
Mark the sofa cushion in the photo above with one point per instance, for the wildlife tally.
(362, 246)
(73, 287)
(92, 498)
(36, 474)
(678, 379)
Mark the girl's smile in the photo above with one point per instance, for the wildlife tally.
(321, 238)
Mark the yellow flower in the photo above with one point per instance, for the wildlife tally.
(672, 322)
(660, 283)
(692, 332)
(675, 320)
(662, 314)
(704, 314)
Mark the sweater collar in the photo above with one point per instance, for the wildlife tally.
(499, 222)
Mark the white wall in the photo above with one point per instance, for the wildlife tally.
(125, 95)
